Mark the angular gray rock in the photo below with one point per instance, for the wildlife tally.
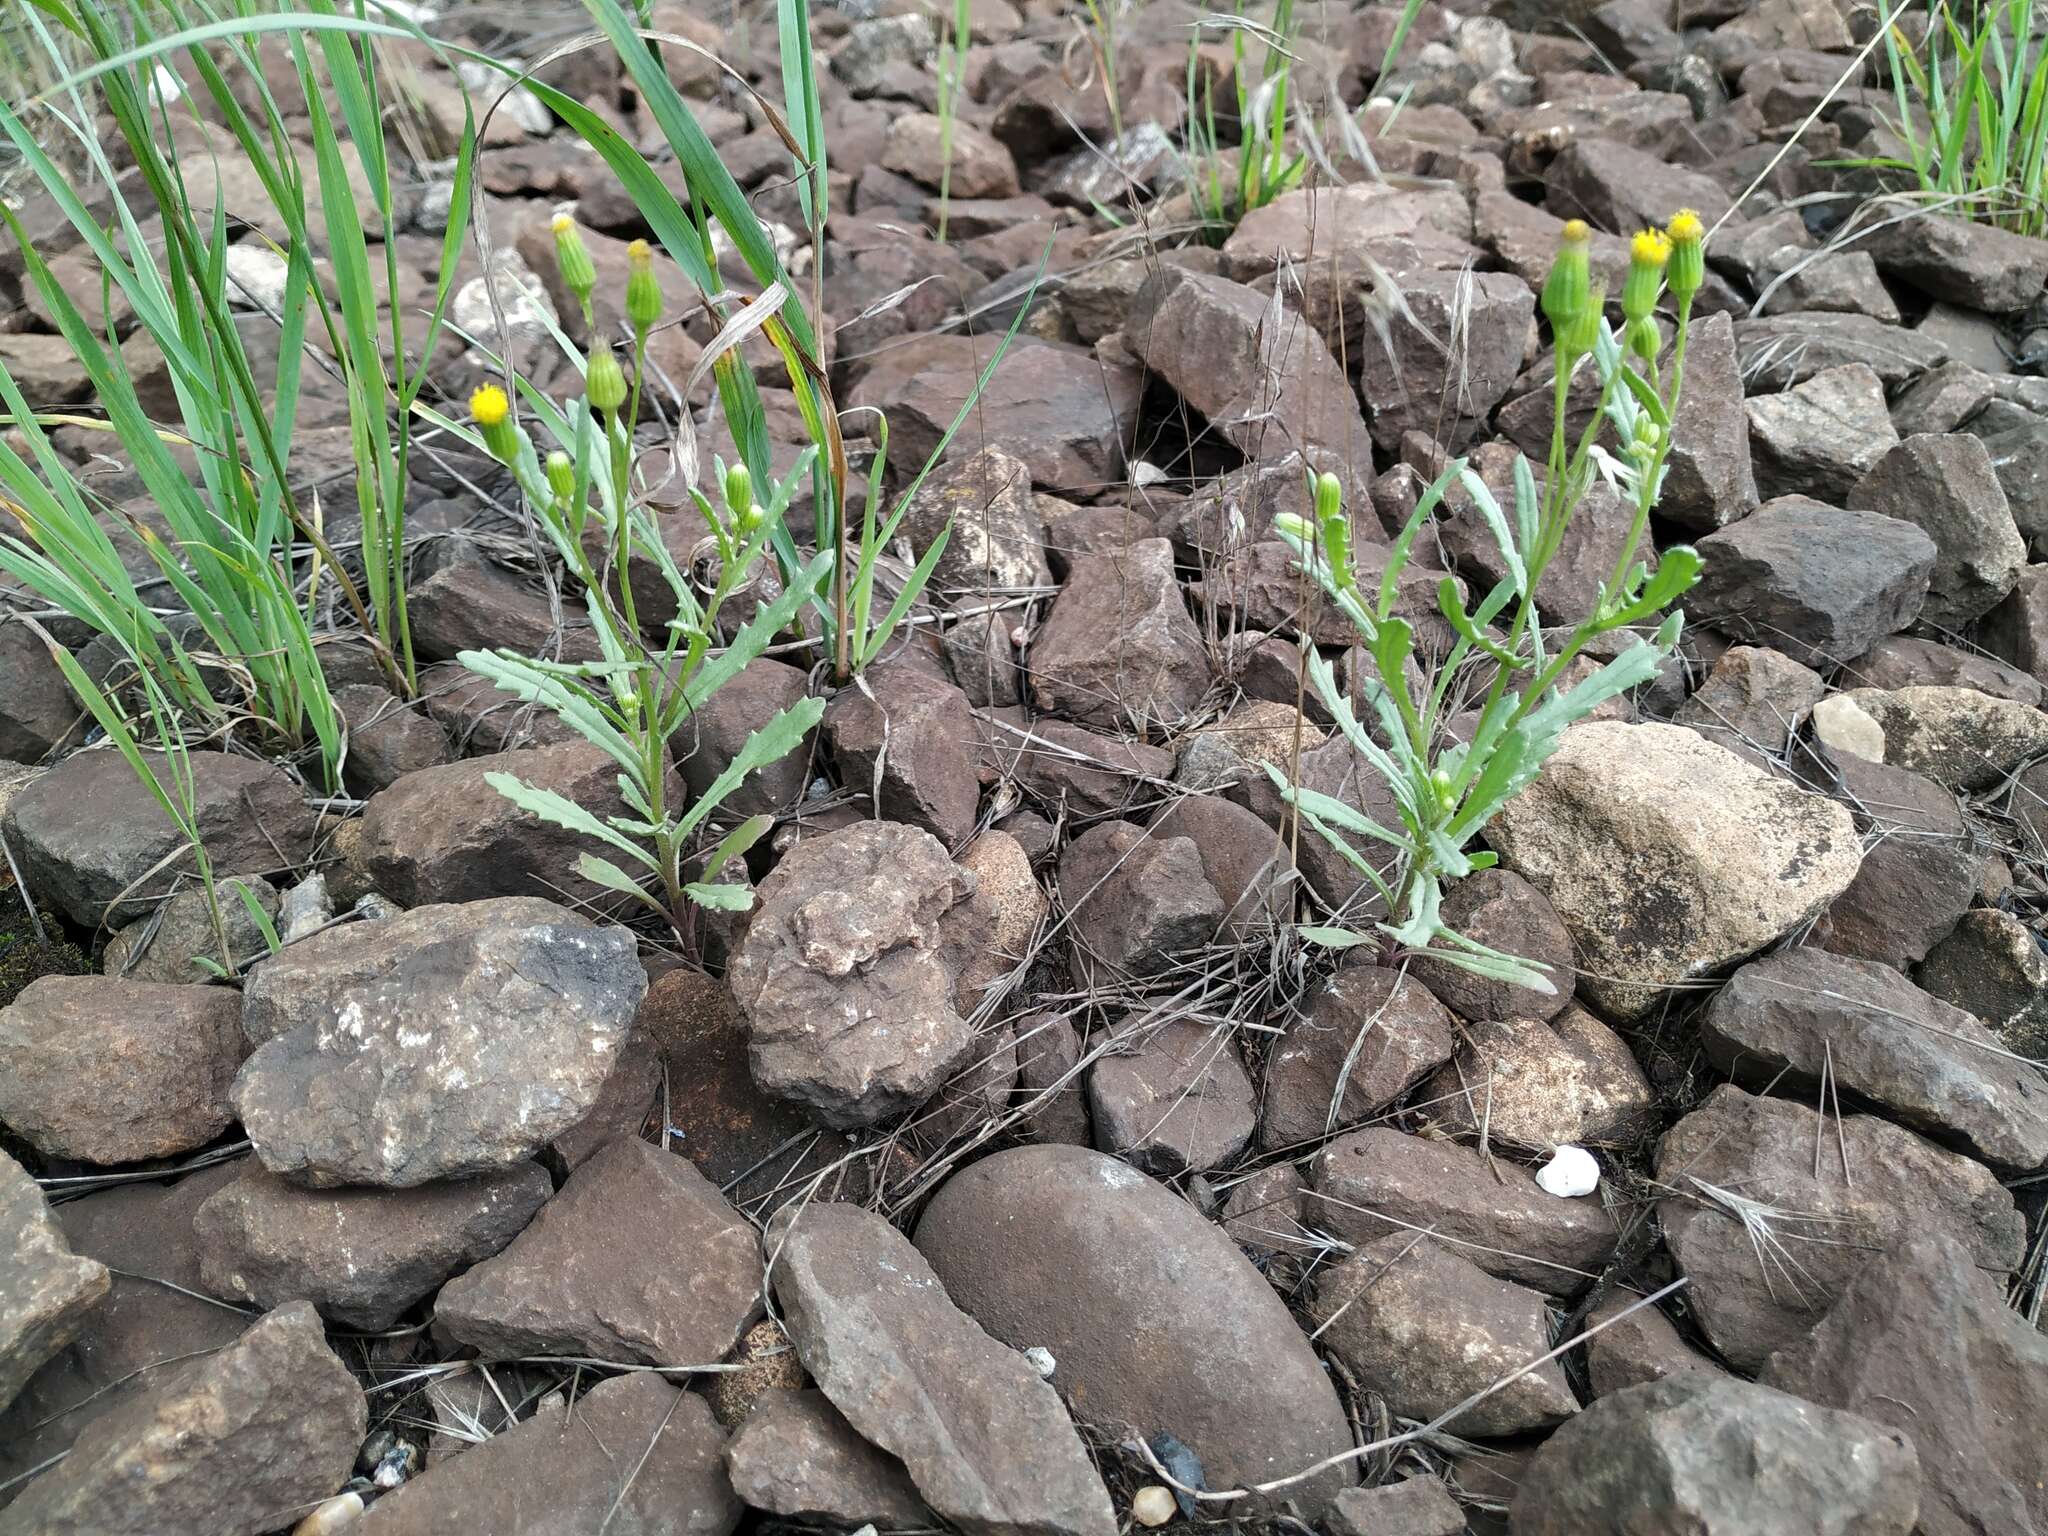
(1066, 411)
(1922, 864)
(1069, 1250)
(87, 831)
(705, 743)
(1410, 381)
(1119, 646)
(637, 1258)
(1741, 856)
(171, 945)
(1500, 909)
(797, 1457)
(1820, 437)
(1946, 486)
(997, 544)
(1753, 702)
(1768, 1242)
(155, 1315)
(1414, 1506)
(849, 1005)
(1813, 581)
(1427, 1329)
(362, 1256)
(1779, 351)
(1050, 1087)
(1363, 1039)
(447, 1041)
(986, 1440)
(1976, 265)
(1993, 966)
(47, 1292)
(1255, 369)
(116, 1071)
(1923, 1341)
(1718, 1457)
(546, 1477)
(1802, 1016)
(1710, 482)
(1906, 661)
(1538, 1084)
(1379, 1181)
(1134, 899)
(443, 834)
(1177, 1100)
(909, 738)
(1635, 1346)
(235, 1443)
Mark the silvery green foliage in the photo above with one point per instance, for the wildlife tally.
(631, 701)
(1447, 791)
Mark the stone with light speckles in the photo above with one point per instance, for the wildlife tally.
(447, 1041)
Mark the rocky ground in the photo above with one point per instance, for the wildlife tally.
(1014, 1166)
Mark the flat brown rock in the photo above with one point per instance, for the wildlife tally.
(1822, 1227)
(797, 1457)
(637, 1258)
(987, 1442)
(633, 1456)
(1377, 1181)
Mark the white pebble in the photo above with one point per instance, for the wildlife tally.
(1153, 1505)
(1571, 1171)
(1040, 1359)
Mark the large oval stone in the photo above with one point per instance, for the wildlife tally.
(1157, 1321)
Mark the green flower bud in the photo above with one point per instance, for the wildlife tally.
(1643, 338)
(643, 293)
(561, 473)
(1688, 254)
(1575, 339)
(1568, 291)
(579, 275)
(739, 490)
(604, 381)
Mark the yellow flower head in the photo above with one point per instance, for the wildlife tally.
(1647, 254)
(1649, 248)
(1576, 232)
(488, 406)
(492, 412)
(1685, 228)
(562, 224)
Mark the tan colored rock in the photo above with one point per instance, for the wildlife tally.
(1960, 737)
(991, 932)
(1669, 857)
(1540, 1085)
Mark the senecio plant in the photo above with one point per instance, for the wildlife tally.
(1448, 789)
(632, 701)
